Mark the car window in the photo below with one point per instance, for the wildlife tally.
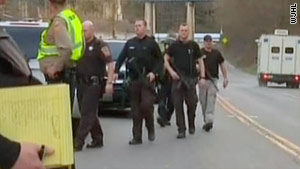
(28, 39)
(116, 48)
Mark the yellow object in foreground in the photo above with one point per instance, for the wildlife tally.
(42, 115)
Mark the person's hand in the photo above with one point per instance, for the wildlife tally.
(202, 83)
(29, 157)
(174, 75)
(52, 72)
(109, 88)
(151, 77)
(116, 76)
(225, 83)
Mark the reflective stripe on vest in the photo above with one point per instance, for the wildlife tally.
(73, 23)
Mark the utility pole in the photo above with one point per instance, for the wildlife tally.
(150, 17)
(153, 19)
(119, 14)
(190, 18)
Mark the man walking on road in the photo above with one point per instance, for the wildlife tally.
(91, 70)
(61, 47)
(145, 63)
(208, 92)
(184, 54)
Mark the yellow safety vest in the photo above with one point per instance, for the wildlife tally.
(75, 30)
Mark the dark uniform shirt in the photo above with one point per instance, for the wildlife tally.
(94, 61)
(9, 152)
(184, 57)
(143, 56)
(212, 61)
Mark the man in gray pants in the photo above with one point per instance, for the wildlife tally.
(208, 92)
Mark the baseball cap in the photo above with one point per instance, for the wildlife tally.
(58, 1)
(207, 38)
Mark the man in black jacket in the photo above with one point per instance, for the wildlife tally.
(91, 70)
(145, 63)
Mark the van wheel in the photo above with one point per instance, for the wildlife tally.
(289, 85)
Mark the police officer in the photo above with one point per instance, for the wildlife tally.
(61, 47)
(165, 106)
(207, 93)
(91, 70)
(184, 54)
(144, 61)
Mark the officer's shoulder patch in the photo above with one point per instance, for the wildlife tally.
(106, 51)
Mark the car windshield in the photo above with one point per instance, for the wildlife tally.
(28, 39)
(116, 48)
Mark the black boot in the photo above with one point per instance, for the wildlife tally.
(95, 144)
(161, 122)
(151, 135)
(208, 126)
(181, 135)
(192, 130)
(78, 147)
(135, 141)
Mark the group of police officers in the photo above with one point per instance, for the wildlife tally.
(70, 53)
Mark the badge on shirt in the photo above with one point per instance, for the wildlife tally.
(91, 48)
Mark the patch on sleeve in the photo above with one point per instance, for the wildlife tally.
(105, 50)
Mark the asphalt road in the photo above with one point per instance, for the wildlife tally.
(275, 107)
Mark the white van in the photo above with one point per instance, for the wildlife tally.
(278, 59)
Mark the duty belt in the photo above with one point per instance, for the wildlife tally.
(90, 80)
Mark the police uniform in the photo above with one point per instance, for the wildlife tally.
(143, 56)
(62, 49)
(185, 56)
(91, 70)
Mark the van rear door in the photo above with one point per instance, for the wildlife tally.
(275, 57)
(289, 55)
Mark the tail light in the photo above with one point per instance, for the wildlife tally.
(266, 76)
(297, 78)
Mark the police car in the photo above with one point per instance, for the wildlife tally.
(27, 35)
